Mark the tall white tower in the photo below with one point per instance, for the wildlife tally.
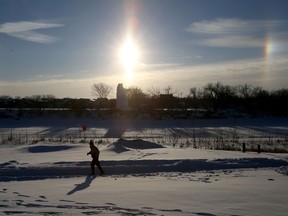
(122, 102)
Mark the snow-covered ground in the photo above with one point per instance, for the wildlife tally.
(143, 176)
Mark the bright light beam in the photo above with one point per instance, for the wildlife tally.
(129, 56)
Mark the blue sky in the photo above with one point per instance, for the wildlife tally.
(62, 47)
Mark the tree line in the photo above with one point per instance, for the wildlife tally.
(214, 98)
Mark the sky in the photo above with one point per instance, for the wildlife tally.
(62, 48)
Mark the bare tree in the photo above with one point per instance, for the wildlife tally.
(101, 90)
(135, 92)
(136, 97)
(154, 92)
(168, 90)
(245, 91)
(193, 92)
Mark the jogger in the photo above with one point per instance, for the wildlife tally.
(94, 151)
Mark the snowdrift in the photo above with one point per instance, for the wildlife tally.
(123, 145)
(142, 176)
(141, 158)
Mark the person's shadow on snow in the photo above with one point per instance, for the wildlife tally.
(82, 186)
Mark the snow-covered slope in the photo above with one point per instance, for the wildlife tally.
(148, 171)
(142, 178)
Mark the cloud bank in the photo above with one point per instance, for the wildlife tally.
(238, 33)
(257, 72)
(234, 26)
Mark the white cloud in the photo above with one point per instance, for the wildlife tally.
(270, 73)
(233, 26)
(26, 31)
(234, 41)
(237, 33)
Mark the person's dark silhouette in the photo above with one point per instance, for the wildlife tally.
(94, 151)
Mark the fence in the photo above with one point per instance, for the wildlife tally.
(226, 138)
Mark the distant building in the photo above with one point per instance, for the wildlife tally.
(167, 101)
(122, 102)
(102, 103)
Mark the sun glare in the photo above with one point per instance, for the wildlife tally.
(129, 55)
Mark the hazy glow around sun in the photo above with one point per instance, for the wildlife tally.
(129, 56)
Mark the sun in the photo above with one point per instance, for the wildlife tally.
(129, 56)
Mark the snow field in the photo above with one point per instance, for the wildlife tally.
(144, 175)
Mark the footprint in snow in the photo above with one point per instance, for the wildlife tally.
(2, 191)
(21, 195)
(110, 204)
(81, 203)
(40, 200)
(67, 201)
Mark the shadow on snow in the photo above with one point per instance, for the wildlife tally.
(11, 171)
(83, 185)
